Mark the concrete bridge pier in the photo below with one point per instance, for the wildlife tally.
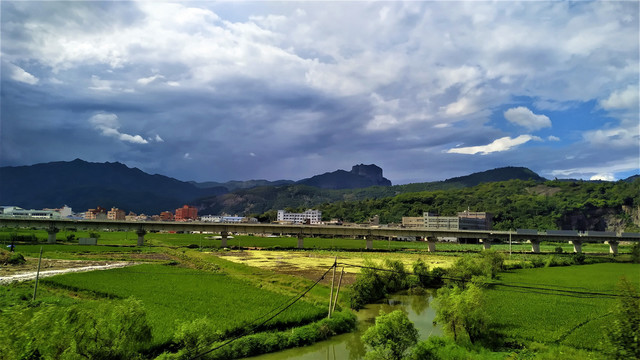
(431, 243)
(577, 246)
(52, 231)
(486, 243)
(613, 247)
(300, 241)
(369, 240)
(141, 233)
(535, 246)
(223, 238)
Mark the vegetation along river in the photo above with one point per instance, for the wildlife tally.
(349, 346)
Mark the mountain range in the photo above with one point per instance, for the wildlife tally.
(83, 185)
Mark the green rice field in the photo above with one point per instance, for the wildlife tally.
(558, 305)
(173, 295)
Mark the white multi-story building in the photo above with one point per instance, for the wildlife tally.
(312, 216)
(15, 211)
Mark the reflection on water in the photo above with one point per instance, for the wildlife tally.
(349, 346)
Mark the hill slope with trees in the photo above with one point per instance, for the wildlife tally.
(577, 205)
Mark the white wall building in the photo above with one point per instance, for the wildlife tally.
(314, 217)
(16, 211)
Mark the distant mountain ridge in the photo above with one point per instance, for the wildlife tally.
(360, 176)
(262, 199)
(83, 185)
(235, 184)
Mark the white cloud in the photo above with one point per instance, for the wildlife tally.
(612, 167)
(187, 156)
(99, 84)
(622, 99)
(553, 138)
(616, 137)
(524, 117)
(108, 125)
(502, 144)
(158, 138)
(252, 154)
(148, 80)
(18, 74)
(603, 177)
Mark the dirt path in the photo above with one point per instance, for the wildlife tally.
(9, 274)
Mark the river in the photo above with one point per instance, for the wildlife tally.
(349, 346)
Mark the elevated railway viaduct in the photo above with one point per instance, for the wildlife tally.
(302, 231)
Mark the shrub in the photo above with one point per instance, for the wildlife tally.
(635, 253)
(559, 250)
(623, 334)
(460, 312)
(391, 336)
(578, 258)
(16, 259)
(96, 330)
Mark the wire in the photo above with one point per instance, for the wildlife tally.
(541, 290)
(265, 321)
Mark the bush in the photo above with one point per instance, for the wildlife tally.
(623, 334)
(391, 336)
(578, 258)
(460, 313)
(94, 330)
(635, 253)
(559, 250)
(340, 322)
(16, 259)
(486, 264)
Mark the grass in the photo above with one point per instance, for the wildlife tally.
(174, 295)
(559, 305)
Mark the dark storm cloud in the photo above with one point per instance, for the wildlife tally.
(220, 91)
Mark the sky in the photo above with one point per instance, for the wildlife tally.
(427, 90)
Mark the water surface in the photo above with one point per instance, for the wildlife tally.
(349, 346)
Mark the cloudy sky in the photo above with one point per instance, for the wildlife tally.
(285, 90)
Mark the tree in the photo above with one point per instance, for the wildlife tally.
(391, 336)
(623, 334)
(460, 313)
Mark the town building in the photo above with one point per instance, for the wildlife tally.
(16, 211)
(186, 213)
(98, 213)
(131, 216)
(116, 214)
(463, 221)
(412, 221)
(166, 216)
(227, 219)
(308, 217)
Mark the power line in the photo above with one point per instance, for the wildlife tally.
(267, 320)
(553, 290)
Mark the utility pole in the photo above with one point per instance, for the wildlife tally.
(335, 261)
(35, 290)
(333, 309)
(509, 244)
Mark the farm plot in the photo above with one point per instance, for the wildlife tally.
(560, 305)
(174, 295)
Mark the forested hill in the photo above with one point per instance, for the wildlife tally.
(576, 205)
(262, 199)
(84, 185)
